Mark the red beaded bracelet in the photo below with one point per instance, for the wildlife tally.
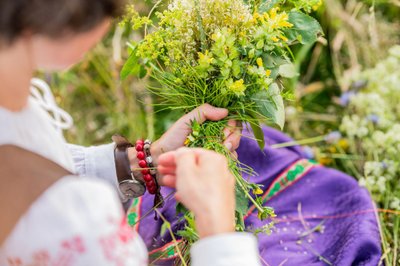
(149, 178)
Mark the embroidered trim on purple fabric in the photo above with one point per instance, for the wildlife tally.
(288, 177)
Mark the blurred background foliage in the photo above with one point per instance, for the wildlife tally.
(358, 35)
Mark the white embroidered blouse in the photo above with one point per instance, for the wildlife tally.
(79, 221)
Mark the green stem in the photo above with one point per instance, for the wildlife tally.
(149, 15)
(178, 250)
(239, 181)
(203, 36)
(298, 142)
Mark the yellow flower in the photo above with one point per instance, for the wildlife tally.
(344, 144)
(332, 149)
(275, 39)
(236, 87)
(256, 16)
(187, 142)
(316, 6)
(205, 60)
(259, 62)
(273, 12)
(279, 20)
(283, 38)
(268, 72)
(325, 160)
(258, 191)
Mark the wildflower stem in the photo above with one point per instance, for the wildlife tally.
(150, 13)
(178, 250)
(298, 142)
(239, 181)
(201, 29)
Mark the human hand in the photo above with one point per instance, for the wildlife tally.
(204, 185)
(175, 137)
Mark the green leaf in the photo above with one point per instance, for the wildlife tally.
(288, 71)
(189, 234)
(180, 209)
(267, 5)
(257, 132)
(142, 72)
(164, 228)
(131, 66)
(270, 105)
(241, 201)
(305, 28)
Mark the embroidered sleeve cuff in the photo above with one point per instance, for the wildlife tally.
(235, 249)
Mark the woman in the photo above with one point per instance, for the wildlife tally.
(79, 221)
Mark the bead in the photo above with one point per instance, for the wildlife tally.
(149, 160)
(140, 142)
(146, 147)
(147, 178)
(140, 155)
(142, 164)
(151, 182)
(139, 147)
(152, 190)
(147, 142)
(145, 171)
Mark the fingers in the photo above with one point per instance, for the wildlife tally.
(166, 170)
(230, 128)
(167, 160)
(233, 134)
(187, 162)
(208, 160)
(206, 112)
(168, 181)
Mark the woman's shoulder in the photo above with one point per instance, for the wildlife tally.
(73, 217)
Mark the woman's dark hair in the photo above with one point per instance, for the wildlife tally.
(53, 17)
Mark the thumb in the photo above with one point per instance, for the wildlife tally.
(206, 112)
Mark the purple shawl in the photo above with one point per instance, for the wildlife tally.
(323, 216)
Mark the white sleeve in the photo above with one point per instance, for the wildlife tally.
(234, 249)
(96, 162)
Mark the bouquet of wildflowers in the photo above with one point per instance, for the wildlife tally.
(230, 54)
(371, 125)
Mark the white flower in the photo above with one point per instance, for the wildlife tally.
(395, 203)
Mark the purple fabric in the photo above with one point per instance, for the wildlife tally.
(349, 232)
